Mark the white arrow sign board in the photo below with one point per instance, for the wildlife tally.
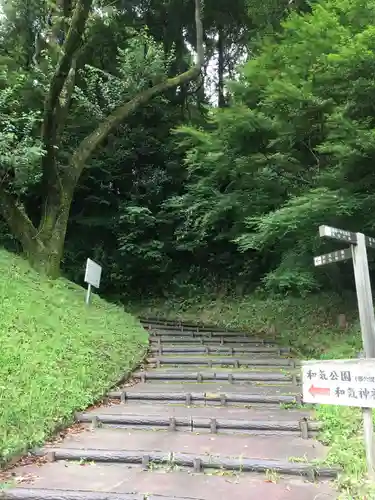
(93, 273)
(345, 382)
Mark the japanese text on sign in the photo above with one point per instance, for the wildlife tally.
(343, 382)
(337, 256)
(337, 234)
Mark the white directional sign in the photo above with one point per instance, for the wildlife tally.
(93, 273)
(345, 382)
(336, 256)
(337, 234)
(342, 235)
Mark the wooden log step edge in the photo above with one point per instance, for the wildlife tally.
(160, 323)
(205, 360)
(218, 349)
(56, 494)
(191, 398)
(199, 423)
(201, 376)
(308, 470)
(219, 340)
(241, 345)
(164, 321)
(176, 332)
(180, 330)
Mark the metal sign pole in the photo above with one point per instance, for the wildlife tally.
(367, 321)
(88, 294)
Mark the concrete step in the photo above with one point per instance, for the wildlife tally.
(256, 447)
(198, 463)
(73, 481)
(205, 419)
(303, 428)
(205, 393)
(218, 412)
(287, 454)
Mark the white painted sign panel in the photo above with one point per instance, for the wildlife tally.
(337, 256)
(344, 382)
(93, 273)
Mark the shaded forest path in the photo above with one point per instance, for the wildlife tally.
(212, 415)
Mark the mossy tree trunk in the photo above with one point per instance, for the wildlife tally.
(43, 245)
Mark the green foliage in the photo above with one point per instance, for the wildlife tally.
(136, 159)
(291, 277)
(293, 151)
(118, 207)
(20, 152)
(57, 356)
(141, 64)
(133, 246)
(234, 196)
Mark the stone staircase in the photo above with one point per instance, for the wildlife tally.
(212, 414)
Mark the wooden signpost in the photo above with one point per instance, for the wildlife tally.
(349, 382)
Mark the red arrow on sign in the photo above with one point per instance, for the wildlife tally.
(323, 391)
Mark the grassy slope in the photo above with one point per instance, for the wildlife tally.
(310, 327)
(56, 354)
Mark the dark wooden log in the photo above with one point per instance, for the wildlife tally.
(205, 360)
(56, 494)
(189, 460)
(200, 376)
(52, 494)
(197, 423)
(219, 349)
(203, 397)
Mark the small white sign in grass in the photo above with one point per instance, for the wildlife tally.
(92, 277)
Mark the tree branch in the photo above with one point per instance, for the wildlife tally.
(64, 65)
(92, 141)
(15, 215)
(66, 7)
(62, 110)
(69, 48)
(56, 108)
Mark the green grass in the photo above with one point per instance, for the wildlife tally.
(56, 354)
(310, 327)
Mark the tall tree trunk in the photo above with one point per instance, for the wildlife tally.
(43, 246)
(220, 50)
(46, 258)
